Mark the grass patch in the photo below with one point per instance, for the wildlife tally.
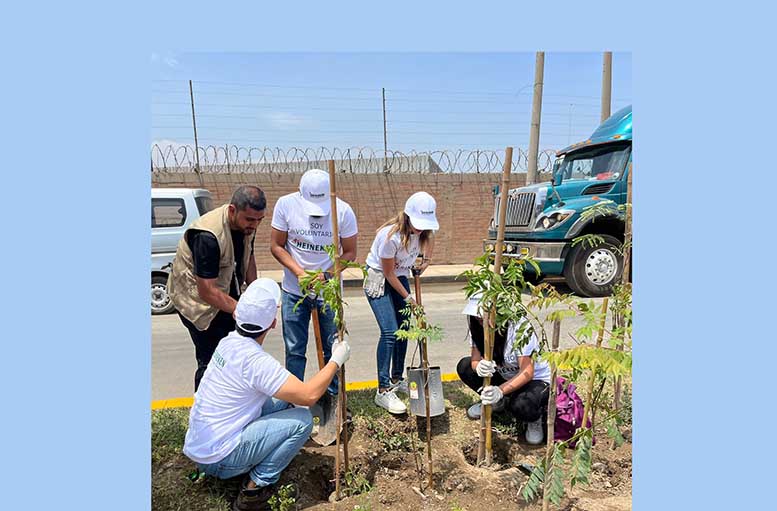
(168, 429)
(459, 395)
(362, 404)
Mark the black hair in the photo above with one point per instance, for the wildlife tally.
(248, 196)
(477, 334)
(253, 334)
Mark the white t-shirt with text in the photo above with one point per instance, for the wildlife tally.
(309, 235)
(239, 379)
(383, 248)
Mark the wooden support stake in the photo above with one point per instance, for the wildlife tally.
(625, 279)
(485, 452)
(551, 413)
(425, 365)
(342, 409)
(588, 405)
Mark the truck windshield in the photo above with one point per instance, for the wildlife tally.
(595, 163)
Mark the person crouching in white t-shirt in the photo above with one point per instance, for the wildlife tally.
(389, 264)
(301, 231)
(241, 421)
(519, 384)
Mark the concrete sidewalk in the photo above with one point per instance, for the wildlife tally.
(352, 277)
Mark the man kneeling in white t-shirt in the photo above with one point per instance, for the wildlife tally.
(241, 421)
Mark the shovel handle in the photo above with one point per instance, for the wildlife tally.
(317, 334)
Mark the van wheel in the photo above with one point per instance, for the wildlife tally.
(160, 300)
(593, 271)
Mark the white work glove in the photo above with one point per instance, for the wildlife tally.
(491, 395)
(374, 283)
(485, 368)
(341, 352)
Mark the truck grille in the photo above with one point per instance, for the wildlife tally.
(519, 209)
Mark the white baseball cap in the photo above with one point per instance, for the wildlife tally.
(473, 305)
(421, 208)
(314, 188)
(258, 305)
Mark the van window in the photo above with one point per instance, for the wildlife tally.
(167, 212)
(204, 204)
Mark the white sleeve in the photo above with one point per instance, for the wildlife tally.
(265, 374)
(279, 220)
(348, 225)
(389, 247)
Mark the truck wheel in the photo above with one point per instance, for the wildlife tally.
(160, 300)
(592, 271)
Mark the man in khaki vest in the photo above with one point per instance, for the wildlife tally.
(213, 260)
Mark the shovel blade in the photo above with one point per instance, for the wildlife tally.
(324, 413)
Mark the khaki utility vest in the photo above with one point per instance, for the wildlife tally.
(182, 283)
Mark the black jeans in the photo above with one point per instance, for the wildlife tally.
(526, 404)
(205, 341)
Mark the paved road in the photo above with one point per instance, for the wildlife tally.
(172, 358)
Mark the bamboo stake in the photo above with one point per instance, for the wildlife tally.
(551, 413)
(587, 406)
(625, 279)
(425, 364)
(342, 409)
(485, 453)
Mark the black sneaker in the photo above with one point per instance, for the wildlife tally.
(253, 499)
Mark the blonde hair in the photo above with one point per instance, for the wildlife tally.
(401, 224)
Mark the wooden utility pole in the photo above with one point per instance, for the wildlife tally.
(536, 114)
(606, 85)
(196, 145)
(385, 135)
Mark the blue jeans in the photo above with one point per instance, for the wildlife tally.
(295, 333)
(267, 445)
(391, 352)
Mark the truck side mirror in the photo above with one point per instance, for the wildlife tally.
(557, 179)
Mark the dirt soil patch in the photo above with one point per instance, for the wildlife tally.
(384, 453)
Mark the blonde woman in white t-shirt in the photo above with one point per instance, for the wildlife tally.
(392, 257)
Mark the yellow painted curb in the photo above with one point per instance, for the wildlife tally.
(185, 402)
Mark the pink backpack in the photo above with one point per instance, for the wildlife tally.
(569, 411)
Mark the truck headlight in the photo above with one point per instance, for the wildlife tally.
(552, 220)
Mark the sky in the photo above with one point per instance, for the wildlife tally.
(434, 101)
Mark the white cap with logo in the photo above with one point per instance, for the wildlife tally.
(421, 208)
(314, 188)
(473, 305)
(258, 305)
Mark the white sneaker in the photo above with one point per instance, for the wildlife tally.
(401, 386)
(390, 402)
(534, 434)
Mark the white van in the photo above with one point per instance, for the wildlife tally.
(172, 211)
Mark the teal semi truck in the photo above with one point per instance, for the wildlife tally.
(544, 218)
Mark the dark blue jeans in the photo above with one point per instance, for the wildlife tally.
(391, 352)
(295, 333)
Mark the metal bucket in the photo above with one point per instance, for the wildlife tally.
(415, 387)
